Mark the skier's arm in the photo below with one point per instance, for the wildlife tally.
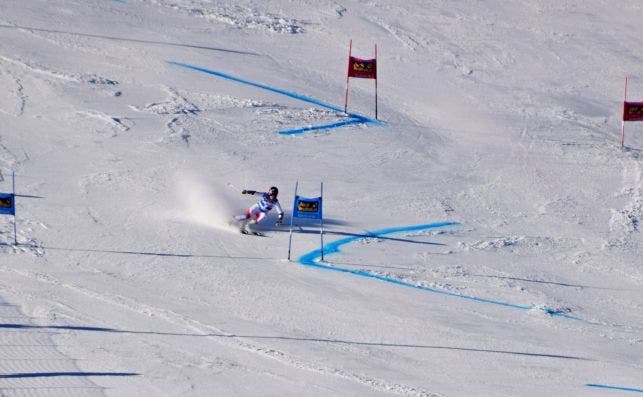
(251, 192)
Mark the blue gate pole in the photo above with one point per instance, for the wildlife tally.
(15, 233)
(292, 217)
(321, 220)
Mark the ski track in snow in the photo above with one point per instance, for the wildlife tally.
(30, 361)
(626, 221)
(477, 61)
(12, 98)
(42, 70)
(223, 337)
(310, 259)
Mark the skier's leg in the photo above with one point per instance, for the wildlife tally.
(248, 217)
(243, 226)
(259, 217)
(243, 217)
(255, 217)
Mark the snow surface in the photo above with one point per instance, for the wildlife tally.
(483, 240)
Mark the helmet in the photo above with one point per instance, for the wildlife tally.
(273, 191)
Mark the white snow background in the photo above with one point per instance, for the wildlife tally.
(483, 240)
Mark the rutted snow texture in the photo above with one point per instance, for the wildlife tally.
(256, 17)
(133, 127)
(31, 363)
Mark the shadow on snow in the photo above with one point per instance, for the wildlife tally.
(130, 40)
(59, 374)
(289, 338)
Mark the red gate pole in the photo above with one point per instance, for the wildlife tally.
(623, 119)
(350, 47)
(376, 81)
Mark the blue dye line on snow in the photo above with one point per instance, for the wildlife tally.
(620, 388)
(322, 127)
(354, 118)
(312, 259)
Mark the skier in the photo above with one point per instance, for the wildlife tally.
(258, 211)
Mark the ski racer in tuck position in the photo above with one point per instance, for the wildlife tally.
(258, 211)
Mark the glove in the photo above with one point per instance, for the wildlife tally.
(280, 220)
(244, 191)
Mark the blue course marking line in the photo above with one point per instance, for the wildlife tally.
(620, 388)
(312, 259)
(321, 127)
(354, 118)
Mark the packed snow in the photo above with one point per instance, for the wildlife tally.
(482, 237)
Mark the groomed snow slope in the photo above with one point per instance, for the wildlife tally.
(483, 239)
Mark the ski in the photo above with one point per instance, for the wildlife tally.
(251, 233)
